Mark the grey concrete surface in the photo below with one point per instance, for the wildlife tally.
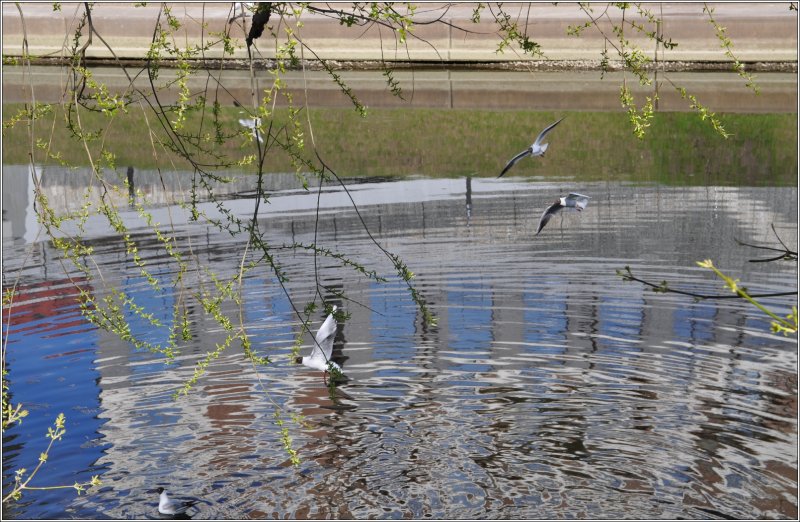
(459, 89)
(761, 32)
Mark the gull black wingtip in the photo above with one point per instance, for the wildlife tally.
(573, 201)
(537, 148)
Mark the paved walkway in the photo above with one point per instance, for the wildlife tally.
(761, 32)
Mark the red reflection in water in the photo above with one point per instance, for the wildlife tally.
(39, 301)
(67, 354)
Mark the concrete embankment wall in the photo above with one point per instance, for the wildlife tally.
(761, 32)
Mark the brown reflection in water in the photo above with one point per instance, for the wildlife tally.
(784, 407)
(715, 438)
(506, 483)
(776, 499)
(315, 403)
(229, 437)
(229, 413)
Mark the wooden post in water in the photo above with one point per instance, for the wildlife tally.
(131, 191)
(469, 198)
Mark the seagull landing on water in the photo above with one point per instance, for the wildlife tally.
(571, 202)
(536, 149)
(320, 358)
(167, 506)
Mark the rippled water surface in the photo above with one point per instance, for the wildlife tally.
(550, 387)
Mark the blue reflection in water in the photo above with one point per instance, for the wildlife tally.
(760, 324)
(620, 321)
(158, 302)
(695, 322)
(265, 306)
(470, 323)
(50, 358)
(393, 326)
(545, 318)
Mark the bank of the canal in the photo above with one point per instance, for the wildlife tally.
(764, 34)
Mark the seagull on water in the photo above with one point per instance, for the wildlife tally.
(573, 201)
(536, 149)
(167, 506)
(320, 358)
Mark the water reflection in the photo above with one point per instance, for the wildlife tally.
(549, 389)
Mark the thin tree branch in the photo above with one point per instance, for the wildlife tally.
(627, 275)
(787, 254)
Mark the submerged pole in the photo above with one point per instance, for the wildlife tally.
(131, 191)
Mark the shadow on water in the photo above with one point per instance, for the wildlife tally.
(549, 388)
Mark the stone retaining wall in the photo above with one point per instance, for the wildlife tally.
(761, 32)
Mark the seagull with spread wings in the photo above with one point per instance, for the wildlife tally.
(573, 201)
(320, 358)
(536, 149)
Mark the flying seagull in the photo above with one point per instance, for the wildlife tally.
(253, 124)
(320, 358)
(167, 506)
(572, 201)
(244, 9)
(250, 123)
(536, 149)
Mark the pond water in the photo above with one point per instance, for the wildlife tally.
(550, 388)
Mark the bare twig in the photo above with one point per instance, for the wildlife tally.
(663, 287)
(787, 254)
